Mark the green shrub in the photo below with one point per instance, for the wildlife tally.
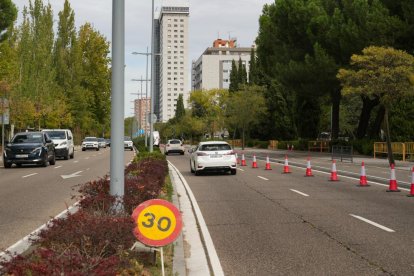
(364, 146)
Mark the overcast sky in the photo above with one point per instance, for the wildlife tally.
(209, 19)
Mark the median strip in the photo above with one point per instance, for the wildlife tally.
(372, 223)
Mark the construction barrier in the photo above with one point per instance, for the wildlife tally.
(273, 144)
(409, 150)
(235, 143)
(397, 148)
(321, 146)
(344, 153)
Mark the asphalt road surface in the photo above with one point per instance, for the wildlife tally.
(31, 195)
(269, 223)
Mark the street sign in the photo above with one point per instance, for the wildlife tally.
(158, 222)
(154, 118)
(6, 117)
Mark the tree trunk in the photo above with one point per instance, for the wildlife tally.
(336, 100)
(367, 106)
(387, 135)
(376, 128)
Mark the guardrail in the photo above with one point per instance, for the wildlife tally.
(318, 146)
(343, 153)
(404, 149)
(235, 143)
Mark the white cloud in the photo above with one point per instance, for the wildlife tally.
(208, 21)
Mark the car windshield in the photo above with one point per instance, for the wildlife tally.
(214, 147)
(90, 139)
(101, 139)
(127, 138)
(175, 142)
(56, 134)
(28, 138)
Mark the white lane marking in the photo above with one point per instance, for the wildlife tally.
(86, 157)
(296, 191)
(240, 169)
(373, 223)
(264, 178)
(29, 175)
(57, 167)
(75, 161)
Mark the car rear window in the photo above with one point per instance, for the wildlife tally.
(91, 139)
(215, 147)
(175, 142)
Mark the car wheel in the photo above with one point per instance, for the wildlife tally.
(166, 152)
(197, 173)
(233, 171)
(83, 149)
(7, 165)
(53, 160)
(73, 154)
(191, 168)
(97, 149)
(45, 162)
(182, 153)
(66, 157)
(18, 165)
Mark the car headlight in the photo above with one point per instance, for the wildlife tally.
(37, 151)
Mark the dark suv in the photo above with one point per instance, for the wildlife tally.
(29, 148)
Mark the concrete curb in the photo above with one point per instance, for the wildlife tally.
(200, 257)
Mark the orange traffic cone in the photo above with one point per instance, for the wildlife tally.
(308, 168)
(243, 161)
(334, 175)
(254, 164)
(412, 184)
(393, 181)
(286, 166)
(237, 159)
(267, 168)
(363, 178)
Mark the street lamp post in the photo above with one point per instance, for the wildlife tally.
(151, 145)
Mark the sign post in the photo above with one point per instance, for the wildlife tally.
(158, 223)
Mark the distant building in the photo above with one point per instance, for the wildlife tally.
(212, 69)
(171, 74)
(141, 109)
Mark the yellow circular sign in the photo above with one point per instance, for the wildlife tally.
(158, 222)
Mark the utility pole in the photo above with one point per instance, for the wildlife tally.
(151, 145)
(117, 101)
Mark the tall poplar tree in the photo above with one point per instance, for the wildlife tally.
(234, 77)
(179, 111)
(8, 14)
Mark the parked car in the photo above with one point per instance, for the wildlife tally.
(90, 143)
(108, 142)
(63, 140)
(102, 143)
(128, 144)
(213, 156)
(174, 146)
(29, 148)
(156, 137)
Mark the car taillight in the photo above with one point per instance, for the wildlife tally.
(201, 154)
(230, 153)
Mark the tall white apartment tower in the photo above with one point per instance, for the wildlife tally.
(171, 77)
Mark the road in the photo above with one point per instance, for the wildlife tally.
(30, 196)
(268, 223)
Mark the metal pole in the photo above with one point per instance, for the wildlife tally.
(146, 102)
(2, 127)
(117, 99)
(151, 144)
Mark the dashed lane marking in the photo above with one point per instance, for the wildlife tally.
(296, 191)
(373, 223)
(57, 167)
(240, 169)
(261, 177)
(29, 175)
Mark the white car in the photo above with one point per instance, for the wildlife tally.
(213, 156)
(90, 143)
(63, 140)
(128, 144)
(174, 146)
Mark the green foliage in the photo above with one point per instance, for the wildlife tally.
(179, 111)
(234, 77)
(363, 146)
(8, 14)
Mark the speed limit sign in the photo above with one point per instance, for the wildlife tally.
(158, 222)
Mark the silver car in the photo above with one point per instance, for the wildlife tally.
(213, 156)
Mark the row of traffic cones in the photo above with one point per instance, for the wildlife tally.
(393, 186)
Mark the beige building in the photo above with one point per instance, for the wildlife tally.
(172, 76)
(212, 69)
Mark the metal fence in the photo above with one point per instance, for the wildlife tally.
(343, 153)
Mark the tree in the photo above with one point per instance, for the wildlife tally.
(253, 71)
(242, 74)
(179, 111)
(383, 73)
(244, 108)
(8, 14)
(234, 77)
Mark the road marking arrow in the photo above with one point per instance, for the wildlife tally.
(71, 175)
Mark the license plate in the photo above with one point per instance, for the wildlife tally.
(22, 155)
(215, 156)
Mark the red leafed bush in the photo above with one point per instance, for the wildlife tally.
(95, 240)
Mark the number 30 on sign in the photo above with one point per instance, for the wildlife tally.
(158, 222)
